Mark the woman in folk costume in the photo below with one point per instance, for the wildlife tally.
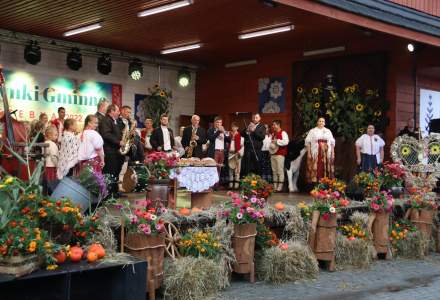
(68, 155)
(236, 152)
(320, 146)
(91, 151)
(369, 150)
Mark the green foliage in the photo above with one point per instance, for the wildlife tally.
(156, 103)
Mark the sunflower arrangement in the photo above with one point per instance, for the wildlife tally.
(348, 110)
(156, 103)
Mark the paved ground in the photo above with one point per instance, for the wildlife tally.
(398, 279)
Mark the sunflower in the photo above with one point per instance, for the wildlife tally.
(405, 151)
(299, 90)
(162, 94)
(359, 107)
(361, 130)
(377, 113)
(434, 149)
(315, 91)
(329, 112)
(317, 105)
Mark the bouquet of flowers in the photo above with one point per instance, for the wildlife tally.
(95, 182)
(160, 164)
(393, 175)
(422, 199)
(329, 197)
(199, 243)
(353, 231)
(370, 182)
(381, 202)
(255, 185)
(145, 219)
(244, 209)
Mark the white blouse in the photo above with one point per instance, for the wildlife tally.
(371, 145)
(266, 143)
(51, 154)
(317, 134)
(68, 155)
(90, 143)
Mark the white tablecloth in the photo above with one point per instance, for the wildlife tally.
(196, 179)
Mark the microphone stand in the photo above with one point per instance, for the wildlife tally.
(252, 142)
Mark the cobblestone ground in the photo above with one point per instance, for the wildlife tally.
(397, 279)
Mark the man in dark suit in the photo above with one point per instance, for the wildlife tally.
(253, 142)
(194, 133)
(162, 138)
(112, 136)
(218, 140)
(136, 152)
(102, 109)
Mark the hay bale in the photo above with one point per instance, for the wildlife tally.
(191, 278)
(294, 264)
(357, 253)
(415, 246)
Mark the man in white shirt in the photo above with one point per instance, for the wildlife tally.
(369, 150)
(278, 151)
(162, 138)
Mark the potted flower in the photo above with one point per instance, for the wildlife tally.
(244, 212)
(329, 197)
(145, 238)
(380, 205)
(160, 166)
(255, 185)
(393, 176)
(422, 208)
(199, 243)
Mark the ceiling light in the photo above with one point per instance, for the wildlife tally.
(162, 8)
(410, 47)
(74, 59)
(82, 29)
(179, 49)
(324, 51)
(241, 63)
(32, 53)
(266, 32)
(184, 78)
(135, 69)
(104, 64)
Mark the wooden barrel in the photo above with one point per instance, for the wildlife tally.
(380, 232)
(325, 241)
(243, 243)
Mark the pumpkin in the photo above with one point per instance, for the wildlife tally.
(76, 253)
(195, 210)
(279, 206)
(98, 249)
(92, 257)
(60, 257)
(184, 211)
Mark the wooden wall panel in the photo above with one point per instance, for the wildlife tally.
(431, 7)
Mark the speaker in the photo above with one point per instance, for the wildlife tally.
(434, 126)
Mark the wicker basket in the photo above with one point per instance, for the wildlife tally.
(19, 265)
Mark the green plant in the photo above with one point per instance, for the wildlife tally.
(255, 185)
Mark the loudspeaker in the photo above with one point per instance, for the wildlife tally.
(434, 126)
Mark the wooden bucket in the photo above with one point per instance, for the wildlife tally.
(151, 249)
(19, 265)
(422, 219)
(201, 200)
(325, 241)
(243, 243)
(380, 229)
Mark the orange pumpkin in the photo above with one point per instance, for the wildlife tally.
(98, 249)
(76, 253)
(60, 257)
(279, 206)
(92, 257)
(195, 210)
(184, 211)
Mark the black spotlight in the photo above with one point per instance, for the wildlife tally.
(135, 69)
(104, 65)
(184, 78)
(74, 59)
(32, 53)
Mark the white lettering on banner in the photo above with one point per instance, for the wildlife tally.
(31, 96)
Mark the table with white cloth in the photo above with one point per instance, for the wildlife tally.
(198, 181)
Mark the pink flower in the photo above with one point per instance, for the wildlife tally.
(134, 219)
(375, 206)
(239, 216)
(284, 246)
(254, 199)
